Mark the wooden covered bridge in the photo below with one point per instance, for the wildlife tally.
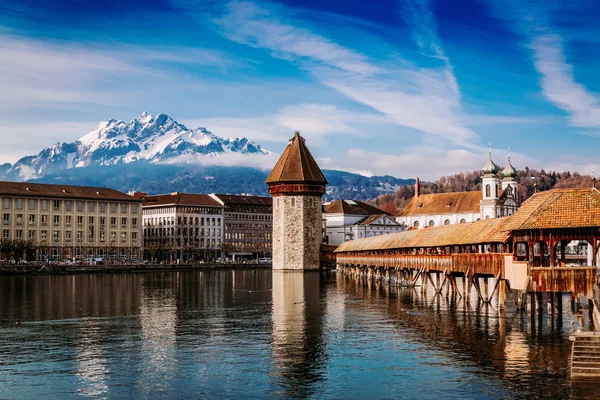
(525, 252)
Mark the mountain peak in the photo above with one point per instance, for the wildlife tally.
(155, 138)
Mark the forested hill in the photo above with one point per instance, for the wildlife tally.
(529, 181)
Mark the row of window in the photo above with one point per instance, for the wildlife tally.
(247, 236)
(43, 235)
(208, 242)
(184, 231)
(69, 205)
(446, 222)
(244, 216)
(248, 226)
(182, 220)
(56, 220)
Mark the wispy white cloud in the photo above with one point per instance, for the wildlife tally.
(315, 121)
(439, 162)
(533, 21)
(63, 72)
(418, 16)
(559, 85)
(424, 99)
(247, 23)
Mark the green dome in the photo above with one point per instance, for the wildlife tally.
(490, 168)
(510, 171)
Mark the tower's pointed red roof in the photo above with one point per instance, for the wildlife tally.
(296, 164)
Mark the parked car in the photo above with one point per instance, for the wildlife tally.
(265, 260)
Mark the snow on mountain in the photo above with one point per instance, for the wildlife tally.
(152, 138)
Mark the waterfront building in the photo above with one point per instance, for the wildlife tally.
(248, 225)
(60, 222)
(497, 198)
(182, 226)
(353, 219)
(297, 186)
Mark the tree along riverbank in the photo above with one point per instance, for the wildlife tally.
(15, 269)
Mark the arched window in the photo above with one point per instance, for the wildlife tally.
(416, 224)
(447, 222)
(463, 221)
(497, 191)
(432, 223)
(488, 192)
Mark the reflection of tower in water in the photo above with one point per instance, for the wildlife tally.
(298, 347)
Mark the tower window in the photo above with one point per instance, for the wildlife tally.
(293, 202)
(488, 192)
(497, 191)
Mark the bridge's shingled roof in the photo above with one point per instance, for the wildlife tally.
(558, 208)
(481, 232)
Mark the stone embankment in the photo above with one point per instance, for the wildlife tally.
(109, 268)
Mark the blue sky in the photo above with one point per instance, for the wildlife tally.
(407, 87)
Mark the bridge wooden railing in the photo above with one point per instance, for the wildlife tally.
(576, 280)
(471, 264)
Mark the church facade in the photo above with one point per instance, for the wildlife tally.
(498, 198)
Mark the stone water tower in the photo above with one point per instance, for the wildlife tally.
(297, 185)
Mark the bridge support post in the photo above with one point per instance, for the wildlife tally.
(486, 290)
(501, 294)
(540, 302)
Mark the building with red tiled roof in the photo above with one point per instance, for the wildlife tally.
(353, 219)
(65, 222)
(497, 198)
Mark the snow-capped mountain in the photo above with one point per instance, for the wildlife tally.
(152, 138)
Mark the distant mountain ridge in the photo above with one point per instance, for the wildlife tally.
(166, 178)
(156, 139)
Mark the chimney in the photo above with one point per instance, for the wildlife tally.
(417, 188)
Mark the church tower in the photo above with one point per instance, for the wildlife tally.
(297, 185)
(490, 185)
(509, 179)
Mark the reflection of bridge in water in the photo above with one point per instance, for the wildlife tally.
(505, 344)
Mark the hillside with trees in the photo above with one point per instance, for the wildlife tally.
(529, 181)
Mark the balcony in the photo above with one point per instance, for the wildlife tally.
(123, 226)
(6, 222)
(44, 223)
(67, 239)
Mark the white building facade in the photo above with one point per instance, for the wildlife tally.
(182, 226)
(497, 198)
(351, 219)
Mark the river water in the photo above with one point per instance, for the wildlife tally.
(259, 334)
